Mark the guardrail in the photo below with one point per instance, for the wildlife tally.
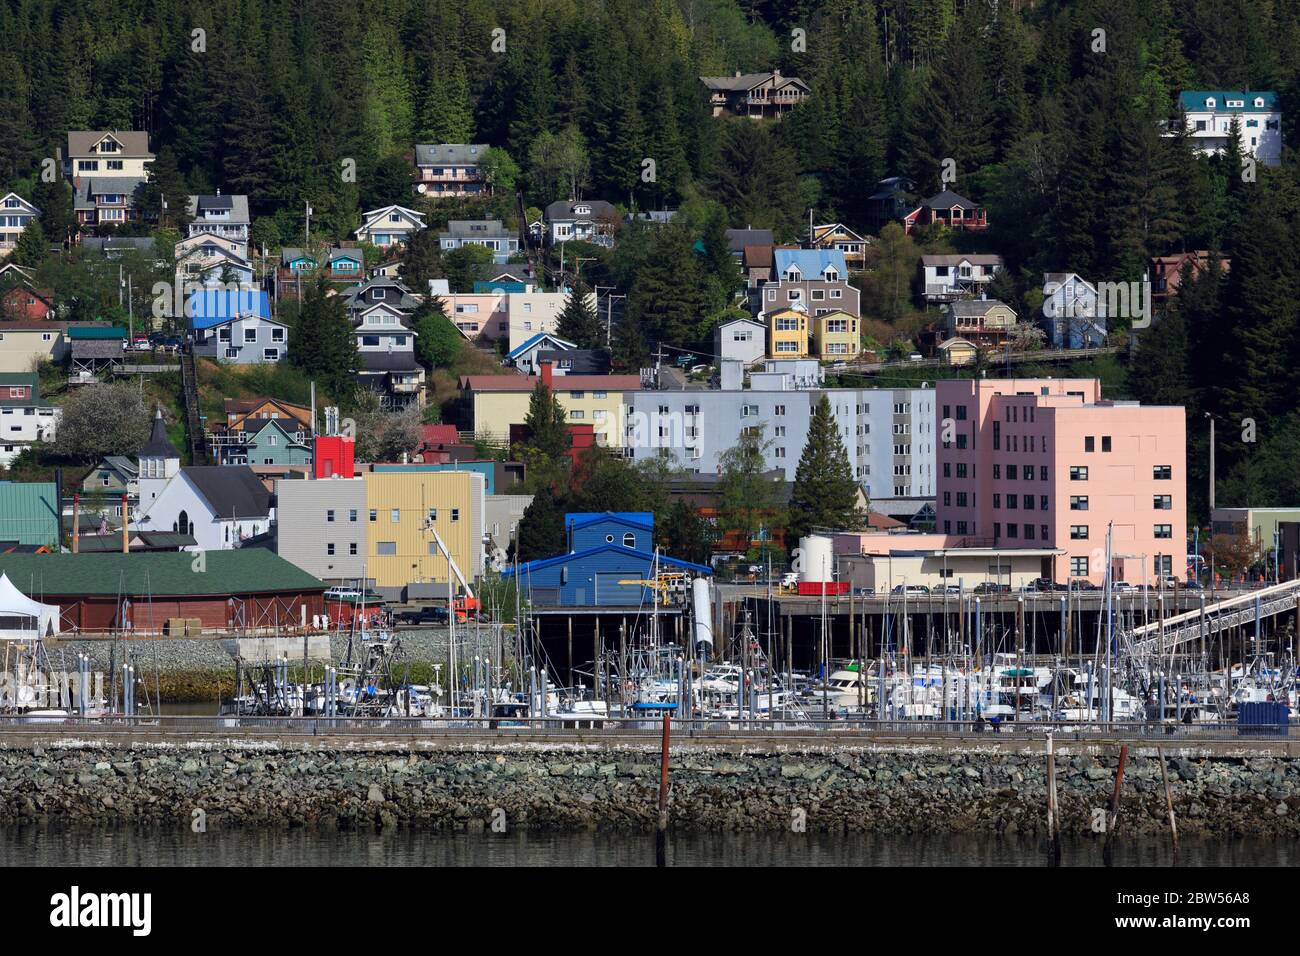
(571, 725)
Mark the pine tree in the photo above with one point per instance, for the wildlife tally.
(667, 299)
(166, 185)
(755, 178)
(825, 494)
(31, 247)
(541, 528)
(684, 533)
(422, 260)
(578, 322)
(1147, 218)
(54, 200)
(549, 434)
(322, 343)
(446, 116)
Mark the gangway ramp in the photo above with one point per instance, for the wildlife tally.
(1213, 617)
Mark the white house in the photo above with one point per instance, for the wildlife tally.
(524, 357)
(206, 258)
(488, 233)
(389, 226)
(587, 220)
(15, 214)
(945, 278)
(24, 417)
(1074, 315)
(1209, 122)
(743, 340)
(386, 354)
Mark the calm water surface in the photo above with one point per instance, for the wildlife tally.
(125, 847)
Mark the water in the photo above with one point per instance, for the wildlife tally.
(130, 847)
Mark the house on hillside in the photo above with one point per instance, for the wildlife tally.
(948, 209)
(225, 217)
(16, 213)
(1167, 272)
(24, 416)
(836, 335)
(24, 343)
(450, 169)
(756, 95)
(787, 332)
(389, 226)
(742, 340)
(524, 356)
(893, 199)
(1074, 315)
(236, 326)
(945, 278)
(986, 323)
(24, 302)
(584, 220)
(488, 233)
(836, 235)
(106, 483)
(208, 259)
(816, 280)
(1210, 115)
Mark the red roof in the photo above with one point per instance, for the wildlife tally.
(440, 434)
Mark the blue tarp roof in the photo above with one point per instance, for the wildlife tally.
(209, 307)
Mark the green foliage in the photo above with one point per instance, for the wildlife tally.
(463, 265)
(825, 493)
(546, 423)
(438, 343)
(578, 322)
(541, 528)
(321, 342)
(747, 496)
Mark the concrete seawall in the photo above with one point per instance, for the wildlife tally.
(1220, 788)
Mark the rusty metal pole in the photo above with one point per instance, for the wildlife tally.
(1114, 796)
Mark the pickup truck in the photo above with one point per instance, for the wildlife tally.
(432, 614)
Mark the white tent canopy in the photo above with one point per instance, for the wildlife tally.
(21, 618)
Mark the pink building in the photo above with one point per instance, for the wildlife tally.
(1049, 464)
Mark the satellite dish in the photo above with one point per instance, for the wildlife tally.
(421, 188)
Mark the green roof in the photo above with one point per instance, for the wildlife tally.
(96, 332)
(27, 512)
(18, 378)
(161, 574)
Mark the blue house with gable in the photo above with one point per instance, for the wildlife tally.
(606, 550)
(235, 325)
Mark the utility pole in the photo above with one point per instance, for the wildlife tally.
(609, 309)
(307, 230)
(1210, 582)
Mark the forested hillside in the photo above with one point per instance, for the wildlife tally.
(1051, 111)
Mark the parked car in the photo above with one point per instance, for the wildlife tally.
(948, 589)
(1041, 584)
(790, 579)
(910, 589)
(990, 587)
(1121, 587)
(341, 593)
(914, 357)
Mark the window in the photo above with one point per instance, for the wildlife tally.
(250, 335)
(1078, 567)
(455, 514)
(329, 515)
(997, 471)
(1164, 531)
(997, 501)
(1105, 443)
(395, 515)
(1029, 532)
(352, 514)
(1089, 444)
(1079, 532)
(374, 515)
(277, 334)
(1162, 472)
(329, 548)
(1028, 471)
(385, 547)
(629, 540)
(352, 548)
(1078, 502)
(1162, 503)
(997, 436)
(1042, 469)
(270, 355)
(1078, 472)
(1042, 502)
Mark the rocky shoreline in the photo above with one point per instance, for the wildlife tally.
(610, 786)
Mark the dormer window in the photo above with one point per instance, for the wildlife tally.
(830, 275)
(1259, 102)
(793, 274)
(1234, 104)
(1209, 102)
(582, 210)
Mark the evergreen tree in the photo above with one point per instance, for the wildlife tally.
(422, 261)
(166, 186)
(549, 434)
(445, 115)
(825, 494)
(747, 499)
(31, 247)
(438, 343)
(756, 179)
(54, 200)
(322, 344)
(684, 533)
(578, 322)
(1147, 219)
(541, 528)
(667, 298)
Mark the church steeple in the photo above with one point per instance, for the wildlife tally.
(159, 458)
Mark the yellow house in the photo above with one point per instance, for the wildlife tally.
(500, 401)
(957, 351)
(402, 503)
(787, 333)
(836, 334)
(24, 343)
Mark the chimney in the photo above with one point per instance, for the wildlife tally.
(737, 74)
(547, 373)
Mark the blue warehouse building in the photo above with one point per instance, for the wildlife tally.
(606, 551)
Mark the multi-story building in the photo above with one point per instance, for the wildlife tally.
(817, 279)
(389, 226)
(887, 433)
(787, 332)
(24, 417)
(1048, 464)
(836, 335)
(107, 170)
(1074, 313)
(479, 316)
(495, 402)
(24, 343)
(223, 216)
(1210, 115)
(528, 313)
(946, 278)
(235, 326)
(450, 169)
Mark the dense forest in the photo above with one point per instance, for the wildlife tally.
(1051, 111)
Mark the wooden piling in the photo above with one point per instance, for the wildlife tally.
(661, 825)
(1169, 798)
(1114, 796)
(1053, 817)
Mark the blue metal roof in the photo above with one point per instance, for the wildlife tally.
(638, 519)
(1194, 100)
(209, 307)
(811, 262)
(562, 344)
(534, 566)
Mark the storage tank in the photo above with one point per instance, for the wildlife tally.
(816, 559)
(703, 612)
